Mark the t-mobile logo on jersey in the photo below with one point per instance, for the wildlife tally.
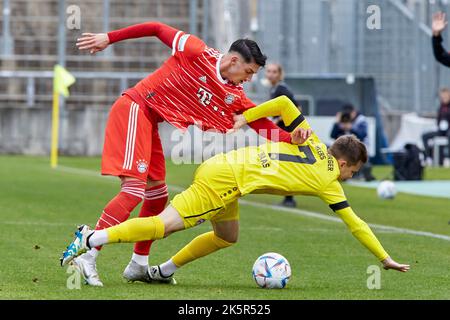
(204, 96)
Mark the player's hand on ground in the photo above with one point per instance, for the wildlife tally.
(93, 42)
(439, 23)
(388, 263)
(300, 135)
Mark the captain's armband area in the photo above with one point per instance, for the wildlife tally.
(294, 124)
(339, 206)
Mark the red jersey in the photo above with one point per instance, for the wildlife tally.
(188, 88)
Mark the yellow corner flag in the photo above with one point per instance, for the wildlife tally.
(62, 80)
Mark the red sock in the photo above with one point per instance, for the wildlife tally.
(155, 201)
(119, 208)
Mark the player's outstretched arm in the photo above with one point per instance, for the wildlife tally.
(95, 42)
(364, 234)
(280, 106)
(262, 125)
(269, 130)
(298, 136)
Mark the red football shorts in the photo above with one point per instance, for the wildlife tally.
(132, 144)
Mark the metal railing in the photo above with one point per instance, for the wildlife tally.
(83, 91)
(331, 36)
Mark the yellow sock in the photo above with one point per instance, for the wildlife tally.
(136, 230)
(201, 246)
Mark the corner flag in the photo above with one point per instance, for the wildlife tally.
(62, 80)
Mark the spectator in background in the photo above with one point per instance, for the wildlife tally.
(438, 25)
(443, 121)
(274, 77)
(350, 121)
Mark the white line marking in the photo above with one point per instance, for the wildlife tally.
(335, 219)
(296, 211)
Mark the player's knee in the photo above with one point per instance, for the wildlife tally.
(154, 183)
(133, 191)
(225, 241)
(227, 231)
(232, 241)
(172, 220)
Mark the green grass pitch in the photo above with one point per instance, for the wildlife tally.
(40, 209)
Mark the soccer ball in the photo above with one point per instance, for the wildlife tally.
(271, 271)
(386, 190)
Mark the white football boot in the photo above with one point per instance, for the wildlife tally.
(136, 272)
(155, 275)
(87, 267)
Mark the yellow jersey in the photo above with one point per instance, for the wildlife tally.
(287, 169)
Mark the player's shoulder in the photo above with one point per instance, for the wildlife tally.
(188, 45)
(209, 55)
(210, 52)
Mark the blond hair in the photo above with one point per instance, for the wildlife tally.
(279, 69)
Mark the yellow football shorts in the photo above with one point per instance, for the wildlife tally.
(212, 196)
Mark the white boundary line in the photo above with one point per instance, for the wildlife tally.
(296, 211)
(334, 219)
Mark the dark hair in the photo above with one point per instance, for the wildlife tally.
(349, 148)
(250, 51)
(348, 108)
(346, 118)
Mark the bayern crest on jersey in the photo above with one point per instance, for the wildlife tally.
(142, 166)
(229, 98)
